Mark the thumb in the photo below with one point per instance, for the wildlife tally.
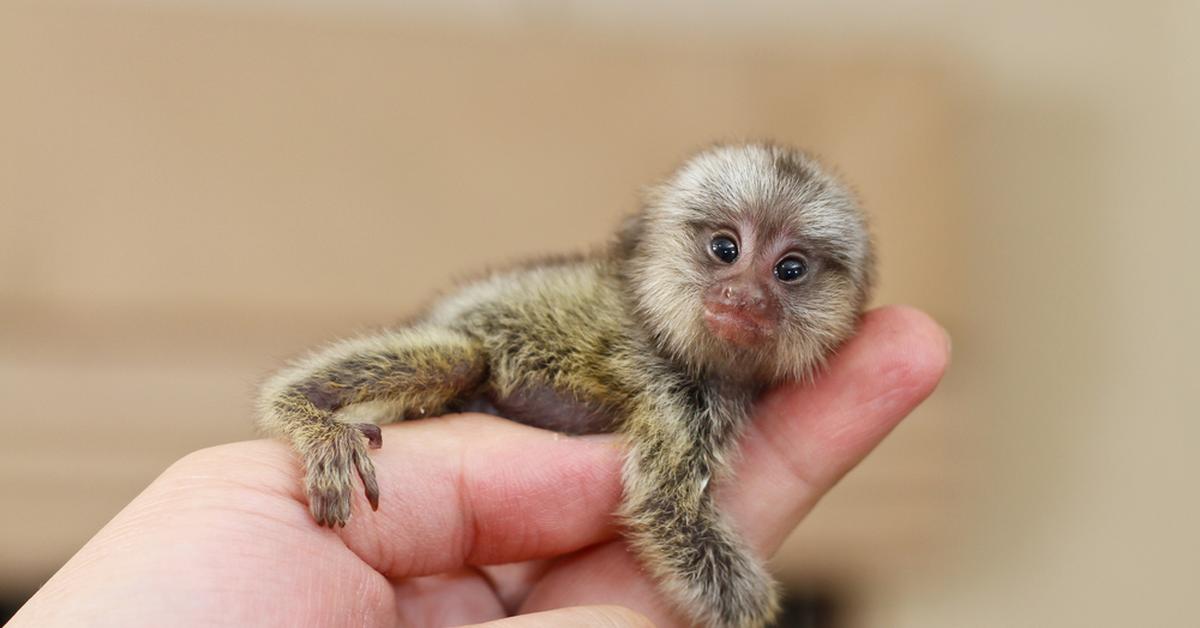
(576, 617)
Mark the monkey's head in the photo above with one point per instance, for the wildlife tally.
(750, 261)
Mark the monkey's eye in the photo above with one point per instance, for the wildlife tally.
(791, 268)
(724, 248)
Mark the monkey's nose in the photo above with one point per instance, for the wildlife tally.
(740, 312)
(747, 298)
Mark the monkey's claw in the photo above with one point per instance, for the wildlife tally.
(331, 463)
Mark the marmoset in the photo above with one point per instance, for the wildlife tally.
(743, 269)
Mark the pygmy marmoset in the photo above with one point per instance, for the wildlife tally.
(745, 268)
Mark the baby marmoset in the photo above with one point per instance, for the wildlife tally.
(744, 269)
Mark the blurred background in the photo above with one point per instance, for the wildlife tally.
(193, 190)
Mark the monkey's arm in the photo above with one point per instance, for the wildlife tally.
(678, 438)
(419, 370)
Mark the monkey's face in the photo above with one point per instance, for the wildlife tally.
(750, 261)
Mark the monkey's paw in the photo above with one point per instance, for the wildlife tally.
(331, 458)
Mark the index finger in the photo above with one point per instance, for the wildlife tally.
(476, 490)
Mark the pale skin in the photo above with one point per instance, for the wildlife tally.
(224, 536)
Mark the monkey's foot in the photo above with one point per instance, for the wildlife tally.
(331, 460)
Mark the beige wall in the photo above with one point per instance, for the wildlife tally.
(191, 190)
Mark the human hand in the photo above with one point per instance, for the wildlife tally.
(224, 536)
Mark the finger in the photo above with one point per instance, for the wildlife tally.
(476, 490)
(805, 438)
(801, 441)
(366, 473)
(453, 491)
(576, 617)
(457, 598)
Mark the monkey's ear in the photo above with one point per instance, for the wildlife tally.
(629, 234)
(633, 228)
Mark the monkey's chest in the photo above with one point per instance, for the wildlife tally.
(543, 406)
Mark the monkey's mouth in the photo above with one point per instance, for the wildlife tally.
(738, 328)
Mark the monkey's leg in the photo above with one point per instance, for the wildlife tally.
(674, 527)
(421, 370)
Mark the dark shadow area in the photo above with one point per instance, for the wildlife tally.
(806, 608)
(10, 601)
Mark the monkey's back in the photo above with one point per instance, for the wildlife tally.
(557, 342)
